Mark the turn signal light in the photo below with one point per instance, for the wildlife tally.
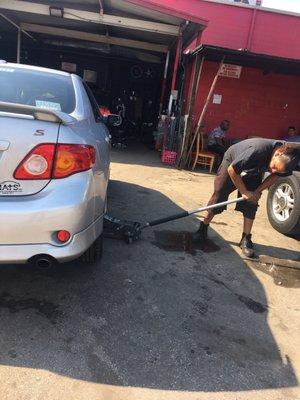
(71, 158)
(55, 161)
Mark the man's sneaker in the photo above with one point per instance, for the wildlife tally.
(201, 234)
(246, 245)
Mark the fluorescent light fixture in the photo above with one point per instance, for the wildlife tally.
(56, 12)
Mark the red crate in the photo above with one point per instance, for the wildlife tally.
(169, 157)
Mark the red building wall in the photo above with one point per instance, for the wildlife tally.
(276, 34)
(256, 104)
(229, 26)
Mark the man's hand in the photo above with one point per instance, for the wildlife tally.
(248, 196)
(253, 197)
(220, 142)
(240, 185)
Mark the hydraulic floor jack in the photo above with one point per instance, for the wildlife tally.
(131, 231)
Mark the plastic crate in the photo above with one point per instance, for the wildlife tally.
(169, 157)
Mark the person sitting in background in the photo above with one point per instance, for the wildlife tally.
(292, 135)
(216, 138)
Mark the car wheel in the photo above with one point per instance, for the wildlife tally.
(283, 205)
(94, 253)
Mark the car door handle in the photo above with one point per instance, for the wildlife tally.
(4, 145)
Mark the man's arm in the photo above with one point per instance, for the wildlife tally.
(268, 182)
(251, 196)
(217, 135)
(220, 141)
(239, 184)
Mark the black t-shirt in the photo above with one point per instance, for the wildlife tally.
(252, 156)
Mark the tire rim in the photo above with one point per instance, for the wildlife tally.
(283, 202)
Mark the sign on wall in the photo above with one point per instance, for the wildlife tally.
(90, 76)
(217, 99)
(231, 71)
(70, 67)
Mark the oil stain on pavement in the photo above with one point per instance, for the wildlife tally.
(182, 242)
(43, 307)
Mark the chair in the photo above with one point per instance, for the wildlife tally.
(202, 156)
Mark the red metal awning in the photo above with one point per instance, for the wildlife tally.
(180, 9)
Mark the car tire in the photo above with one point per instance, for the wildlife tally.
(283, 205)
(93, 253)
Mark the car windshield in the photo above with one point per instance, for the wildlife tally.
(37, 88)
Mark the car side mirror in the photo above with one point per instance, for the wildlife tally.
(114, 120)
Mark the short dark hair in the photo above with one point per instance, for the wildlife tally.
(292, 127)
(290, 156)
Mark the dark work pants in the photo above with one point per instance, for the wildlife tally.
(217, 148)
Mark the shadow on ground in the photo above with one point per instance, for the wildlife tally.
(148, 316)
(142, 156)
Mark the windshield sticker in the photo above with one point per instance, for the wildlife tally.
(10, 187)
(49, 105)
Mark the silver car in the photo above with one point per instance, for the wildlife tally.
(54, 167)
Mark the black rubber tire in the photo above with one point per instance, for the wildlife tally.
(292, 225)
(93, 253)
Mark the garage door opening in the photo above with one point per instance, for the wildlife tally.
(128, 52)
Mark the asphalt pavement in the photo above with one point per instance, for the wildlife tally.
(158, 319)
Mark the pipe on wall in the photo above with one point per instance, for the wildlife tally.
(251, 30)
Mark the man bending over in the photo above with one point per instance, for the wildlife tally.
(243, 167)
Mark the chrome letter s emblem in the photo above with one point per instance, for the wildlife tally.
(39, 132)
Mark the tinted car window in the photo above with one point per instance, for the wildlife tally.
(94, 105)
(37, 88)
